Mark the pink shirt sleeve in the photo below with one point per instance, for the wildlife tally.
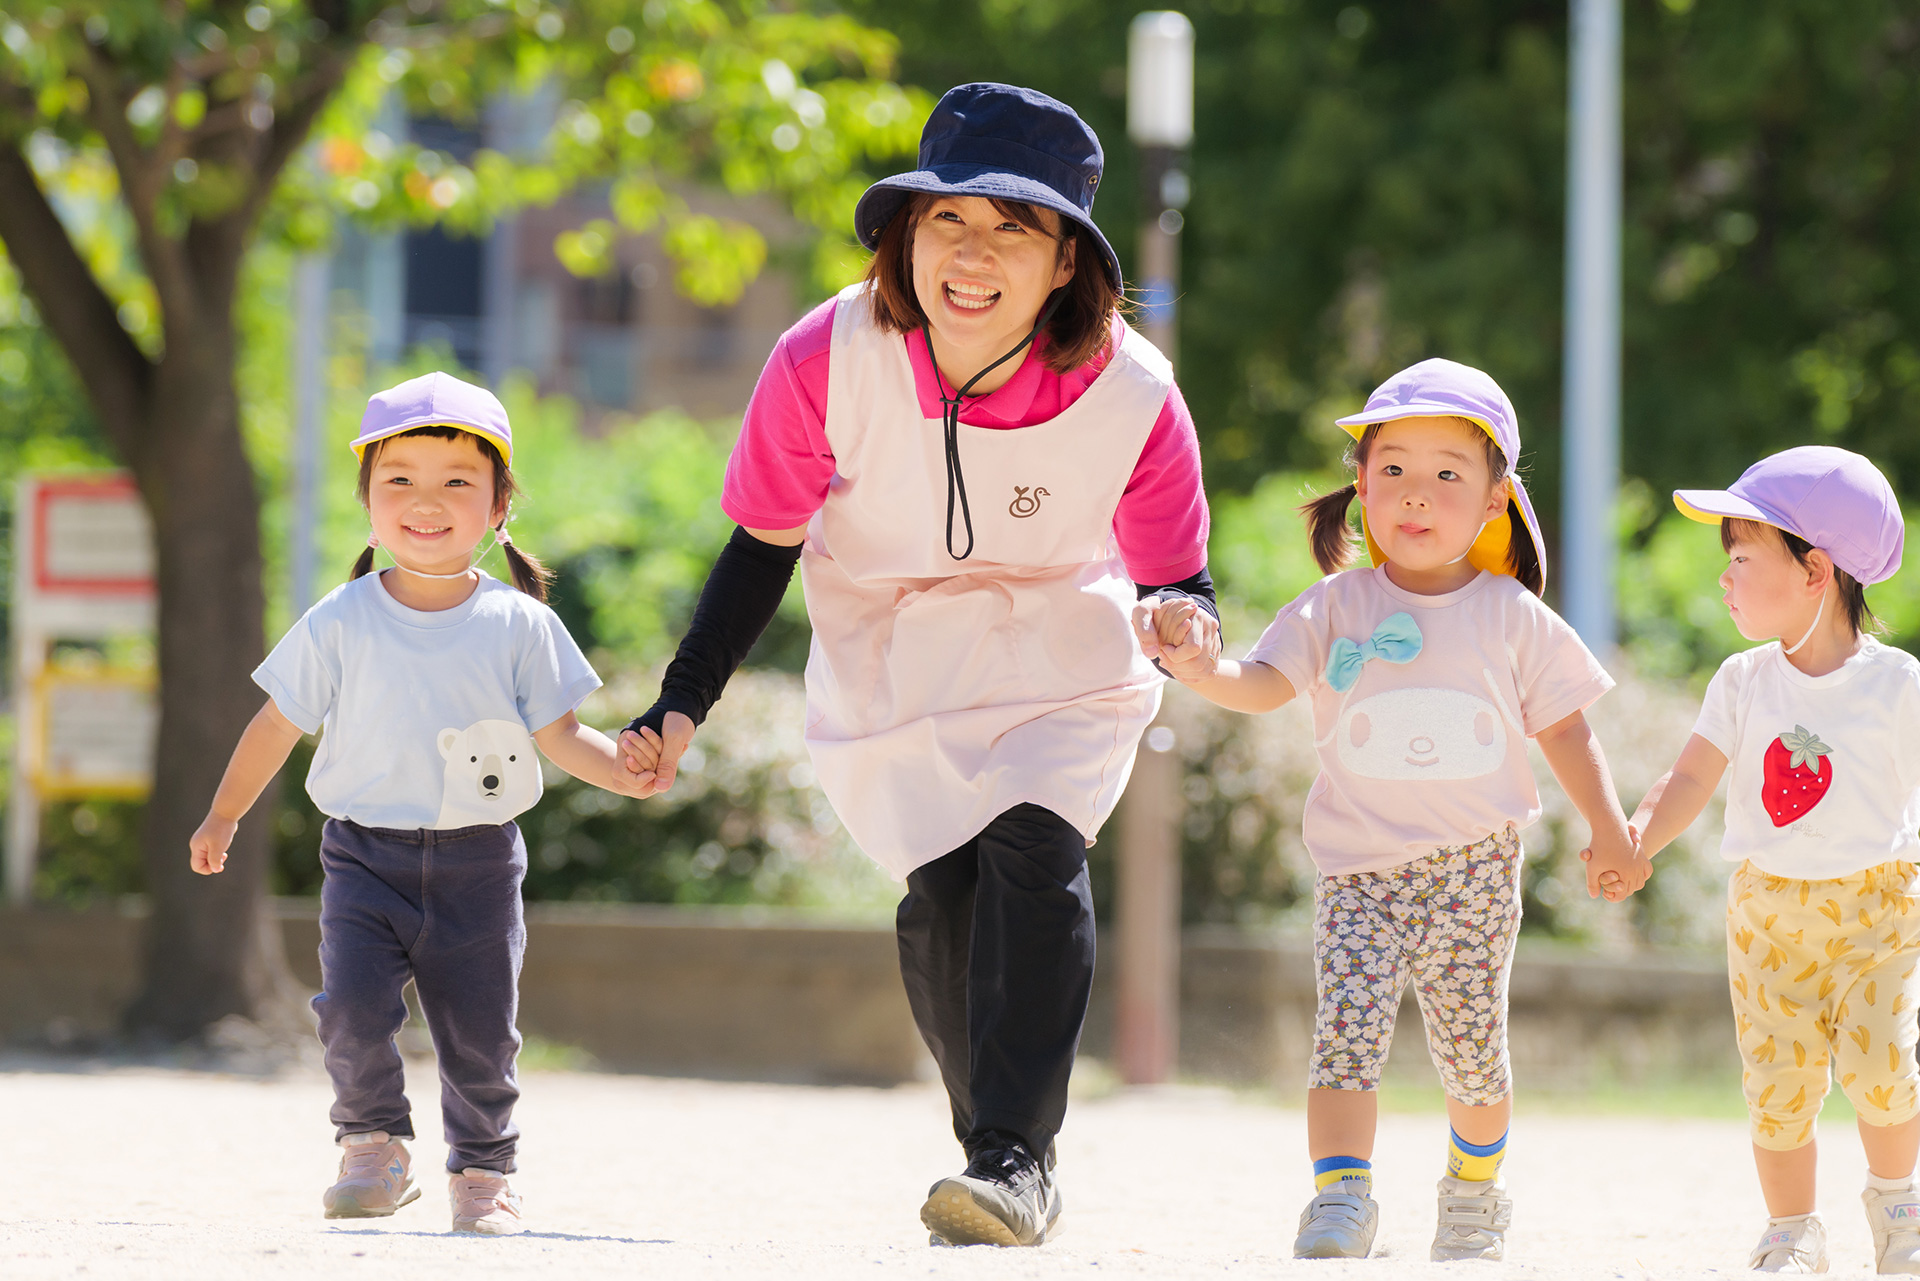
(1556, 673)
(778, 474)
(1162, 521)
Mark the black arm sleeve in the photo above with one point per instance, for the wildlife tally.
(1197, 587)
(743, 590)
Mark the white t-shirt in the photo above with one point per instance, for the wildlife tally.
(1824, 774)
(428, 715)
(1427, 753)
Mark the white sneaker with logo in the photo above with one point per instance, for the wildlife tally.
(1895, 1220)
(1796, 1244)
(1339, 1223)
(1473, 1221)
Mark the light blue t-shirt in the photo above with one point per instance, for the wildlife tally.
(428, 715)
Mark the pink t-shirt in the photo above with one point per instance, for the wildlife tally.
(782, 464)
(1425, 749)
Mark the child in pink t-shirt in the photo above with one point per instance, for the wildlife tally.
(1427, 673)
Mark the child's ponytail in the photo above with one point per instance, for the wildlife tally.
(1333, 545)
(1523, 558)
(529, 575)
(363, 566)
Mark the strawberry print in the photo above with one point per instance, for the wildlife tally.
(1795, 775)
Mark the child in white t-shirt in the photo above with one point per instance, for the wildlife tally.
(1427, 673)
(434, 683)
(1823, 802)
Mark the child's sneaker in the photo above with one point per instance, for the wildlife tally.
(1339, 1223)
(1473, 1220)
(483, 1203)
(1003, 1197)
(1895, 1220)
(373, 1179)
(1797, 1244)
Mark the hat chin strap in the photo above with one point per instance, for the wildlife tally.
(1816, 622)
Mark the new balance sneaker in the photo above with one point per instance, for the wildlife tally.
(373, 1180)
(1796, 1244)
(1339, 1223)
(1895, 1220)
(1004, 1197)
(483, 1203)
(1473, 1220)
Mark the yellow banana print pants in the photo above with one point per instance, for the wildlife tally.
(1823, 976)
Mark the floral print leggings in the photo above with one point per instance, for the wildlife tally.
(1448, 923)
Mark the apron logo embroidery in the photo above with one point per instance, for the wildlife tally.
(1023, 504)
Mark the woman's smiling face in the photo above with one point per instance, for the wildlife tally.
(982, 276)
(1427, 491)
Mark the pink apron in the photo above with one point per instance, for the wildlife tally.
(941, 693)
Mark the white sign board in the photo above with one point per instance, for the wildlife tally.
(83, 571)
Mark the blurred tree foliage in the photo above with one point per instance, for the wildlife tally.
(1375, 183)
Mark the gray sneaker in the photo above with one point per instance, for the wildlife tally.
(1339, 1223)
(1796, 1245)
(1473, 1220)
(1003, 1197)
(1895, 1219)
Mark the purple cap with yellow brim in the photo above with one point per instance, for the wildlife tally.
(1833, 498)
(436, 400)
(1447, 389)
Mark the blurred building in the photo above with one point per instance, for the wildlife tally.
(623, 341)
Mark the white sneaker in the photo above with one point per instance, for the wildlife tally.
(1895, 1220)
(484, 1203)
(1473, 1220)
(1339, 1223)
(1795, 1244)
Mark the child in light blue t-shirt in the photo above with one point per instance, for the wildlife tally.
(433, 683)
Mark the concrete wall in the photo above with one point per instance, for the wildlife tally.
(775, 996)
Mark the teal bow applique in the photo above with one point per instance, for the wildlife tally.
(1397, 640)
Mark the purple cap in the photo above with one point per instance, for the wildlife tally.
(1446, 388)
(1833, 498)
(435, 400)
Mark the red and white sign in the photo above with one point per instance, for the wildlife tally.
(91, 537)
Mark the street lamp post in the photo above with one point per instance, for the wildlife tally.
(1147, 892)
(1590, 377)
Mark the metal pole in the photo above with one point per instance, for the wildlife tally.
(309, 391)
(1147, 884)
(1590, 412)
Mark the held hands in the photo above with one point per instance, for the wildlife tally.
(1183, 636)
(210, 842)
(648, 762)
(1615, 872)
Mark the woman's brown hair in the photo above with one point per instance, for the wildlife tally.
(1852, 594)
(1081, 325)
(529, 575)
(1334, 545)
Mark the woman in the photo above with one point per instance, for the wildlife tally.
(975, 693)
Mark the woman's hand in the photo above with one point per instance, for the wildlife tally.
(651, 761)
(1182, 635)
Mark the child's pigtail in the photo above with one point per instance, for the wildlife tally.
(363, 566)
(1523, 558)
(1332, 537)
(529, 575)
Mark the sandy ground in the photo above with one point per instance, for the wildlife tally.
(115, 1171)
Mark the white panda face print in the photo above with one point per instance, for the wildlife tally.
(1429, 734)
(491, 773)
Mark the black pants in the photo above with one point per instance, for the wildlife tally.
(441, 908)
(996, 947)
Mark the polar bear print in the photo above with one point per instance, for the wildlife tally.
(1432, 734)
(491, 775)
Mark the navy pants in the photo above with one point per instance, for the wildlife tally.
(441, 908)
(997, 948)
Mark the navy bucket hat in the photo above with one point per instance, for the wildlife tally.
(994, 140)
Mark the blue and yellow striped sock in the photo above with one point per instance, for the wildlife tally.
(1474, 1162)
(1330, 1170)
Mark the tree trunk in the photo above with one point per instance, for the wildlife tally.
(212, 948)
